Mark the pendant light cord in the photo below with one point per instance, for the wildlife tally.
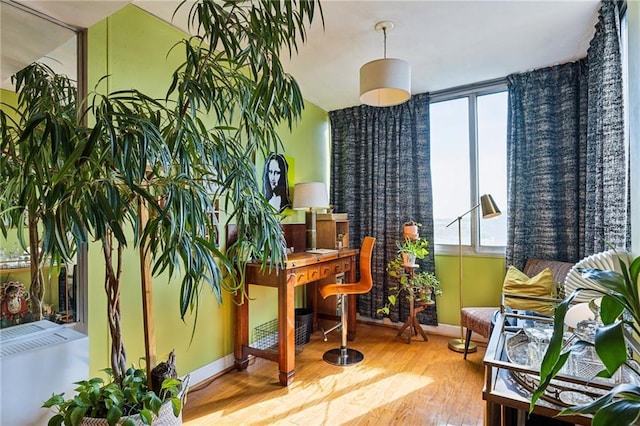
(384, 31)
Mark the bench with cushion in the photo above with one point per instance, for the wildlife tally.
(480, 319)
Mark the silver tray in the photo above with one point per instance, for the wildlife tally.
(576, 382)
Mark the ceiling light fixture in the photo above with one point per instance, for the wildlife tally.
(385, 82)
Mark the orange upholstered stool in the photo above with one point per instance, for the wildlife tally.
(343, 355)
(479, 320)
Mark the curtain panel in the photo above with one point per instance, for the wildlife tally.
(380, 176)
(566, 165)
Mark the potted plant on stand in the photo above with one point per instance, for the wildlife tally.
(412, 249)
(420, 287)
(139, 176)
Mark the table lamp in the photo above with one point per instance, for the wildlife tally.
(310, 196)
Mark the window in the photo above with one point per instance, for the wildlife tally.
(468, 159)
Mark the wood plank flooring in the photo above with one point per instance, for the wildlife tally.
(422, 383)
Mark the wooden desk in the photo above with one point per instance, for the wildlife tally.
(300, 269)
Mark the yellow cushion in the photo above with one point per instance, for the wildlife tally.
(542, 285)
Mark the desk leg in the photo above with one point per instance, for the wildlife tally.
(241, 331)
(286, 330)
(350, 277)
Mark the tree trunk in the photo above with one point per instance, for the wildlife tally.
(112, 289)
(36, 290)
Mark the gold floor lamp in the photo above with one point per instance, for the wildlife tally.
(489, 210)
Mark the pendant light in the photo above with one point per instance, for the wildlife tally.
(385, 82)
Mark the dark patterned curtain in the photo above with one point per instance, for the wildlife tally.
(380, 176)
(567, 190)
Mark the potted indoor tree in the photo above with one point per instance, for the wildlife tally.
(146, 173)
(620, 315)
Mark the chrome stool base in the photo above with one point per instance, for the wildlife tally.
(343, 356)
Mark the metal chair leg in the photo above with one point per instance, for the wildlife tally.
(324, 333)
(466, 343)
(343, 355)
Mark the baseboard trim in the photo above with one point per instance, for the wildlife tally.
(448, 330)
(211, 371)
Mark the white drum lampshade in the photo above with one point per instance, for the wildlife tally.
(385, 82)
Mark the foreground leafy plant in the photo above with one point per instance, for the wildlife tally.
(115, 401)
(621, 405)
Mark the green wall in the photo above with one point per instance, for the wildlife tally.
(482, 279)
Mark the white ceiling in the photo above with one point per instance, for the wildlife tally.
(448, 43)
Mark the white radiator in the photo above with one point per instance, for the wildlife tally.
(36, 360)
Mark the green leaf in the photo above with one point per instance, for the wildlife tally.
(146, 416)
(620, 413)
(77, 414)
(56, 420)
(176, 404)
(553, 359)
(611, 347)
(610, 309)
(113, 415)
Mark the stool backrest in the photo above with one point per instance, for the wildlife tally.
(366, 251)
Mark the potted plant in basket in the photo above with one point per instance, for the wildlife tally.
(140, 175)
(614, 340)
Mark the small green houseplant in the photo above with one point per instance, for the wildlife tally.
(621, 405)
(115, 401)
(412, 249)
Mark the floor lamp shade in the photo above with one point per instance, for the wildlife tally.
(310, 196)
(385, 82)
(489, 207)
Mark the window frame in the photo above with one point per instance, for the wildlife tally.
(471, 92)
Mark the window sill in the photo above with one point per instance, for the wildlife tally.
(452, 250)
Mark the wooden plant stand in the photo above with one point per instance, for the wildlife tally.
(412, 320)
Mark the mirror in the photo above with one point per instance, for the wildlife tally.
(28, 36)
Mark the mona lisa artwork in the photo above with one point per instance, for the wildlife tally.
(275, 181)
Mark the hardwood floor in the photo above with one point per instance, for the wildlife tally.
(422, 383)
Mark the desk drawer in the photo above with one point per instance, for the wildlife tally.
(301, 276)
(345, 264)
(313, 273)
(326, 270)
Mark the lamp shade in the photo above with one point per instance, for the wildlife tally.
(385, 82)
(489, 207)
(310, 195)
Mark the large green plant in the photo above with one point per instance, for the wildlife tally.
(620, 406)
(158, 156)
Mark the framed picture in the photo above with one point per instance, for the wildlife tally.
(275, 181)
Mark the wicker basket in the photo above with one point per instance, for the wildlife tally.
(165, 418)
